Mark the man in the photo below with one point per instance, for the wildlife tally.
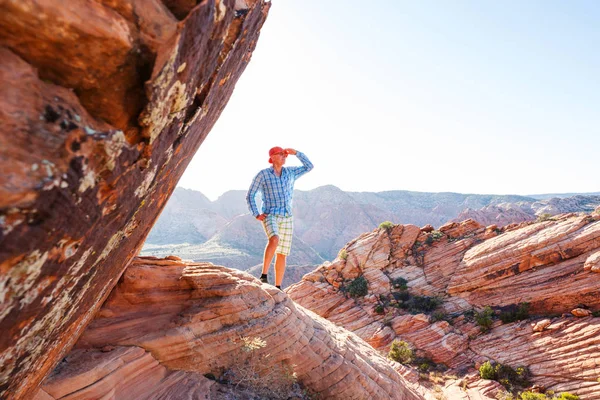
(277, 187)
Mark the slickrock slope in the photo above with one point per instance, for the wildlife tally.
(123, 373)
(102, 105)
(550, 265)
(167, 315)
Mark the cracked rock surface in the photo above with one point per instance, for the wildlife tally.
(466, 267)
(168, 320)
(103, 104)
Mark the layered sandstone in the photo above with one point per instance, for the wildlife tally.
(550, 265)
(123, 373)
(103, 104)
(167, 315)
(509, 213)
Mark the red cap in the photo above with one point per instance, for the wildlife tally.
(275, 150)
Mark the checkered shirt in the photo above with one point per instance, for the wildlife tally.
(276, 190)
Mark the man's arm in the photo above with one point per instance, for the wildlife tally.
(306, 164)
(251, 195)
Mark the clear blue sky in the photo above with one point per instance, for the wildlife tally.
(464, 96)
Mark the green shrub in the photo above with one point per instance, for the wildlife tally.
(484, 319)
(567, 396)
(544, 217)
(358, 287)
(400, 284)
(439, 315)
(487, 371)
(401, 352)
(379, 309)
(424, 364)
(387, 225)
(433, 237)
(532, 396)
(420, 304)
(401, 296)
(540, 396)
(343, 254)
(437, 235)
(511, 379)
(596, 313)
(513, 314)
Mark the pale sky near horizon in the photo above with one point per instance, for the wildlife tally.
(445, 96)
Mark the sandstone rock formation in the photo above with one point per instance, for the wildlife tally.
(168, 323)
(499, 214)
(422, 287)
(510, 213)
(103, 103)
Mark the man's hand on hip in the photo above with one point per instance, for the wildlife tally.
(261, 217)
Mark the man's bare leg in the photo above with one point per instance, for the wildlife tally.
(269, 253)
(279, 269)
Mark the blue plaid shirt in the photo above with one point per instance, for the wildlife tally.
(276, 190)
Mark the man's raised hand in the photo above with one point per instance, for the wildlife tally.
(290, 151)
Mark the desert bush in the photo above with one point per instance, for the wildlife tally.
(248, 373)
(484, 319)
(544, 217)
(401, 352)
(433, 237)
(505, 396)
(379, 309)
(567, 396)
(357, 287)
(420, 304)
(439, 315)
(424, 364)
(400, 284)
(519, 313)
(387, 225)
(343, 254)
(511, 379)
(541, 396)
(401, 296)
(487, 371)
(532, 396)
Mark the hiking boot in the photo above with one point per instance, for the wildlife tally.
(263, 278)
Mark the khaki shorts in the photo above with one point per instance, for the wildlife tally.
(282, 227)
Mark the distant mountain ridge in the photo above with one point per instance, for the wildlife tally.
(325, 219)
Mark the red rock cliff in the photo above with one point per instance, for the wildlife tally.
(103, 104)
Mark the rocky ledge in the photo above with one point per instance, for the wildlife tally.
(523, 295)
(170, 324)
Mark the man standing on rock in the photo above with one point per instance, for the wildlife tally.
(277, 187)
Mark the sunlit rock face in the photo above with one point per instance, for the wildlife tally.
(550, 265)
(169, 320)
(103, 103)
(507, 213)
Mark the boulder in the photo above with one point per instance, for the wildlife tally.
(102, 106)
